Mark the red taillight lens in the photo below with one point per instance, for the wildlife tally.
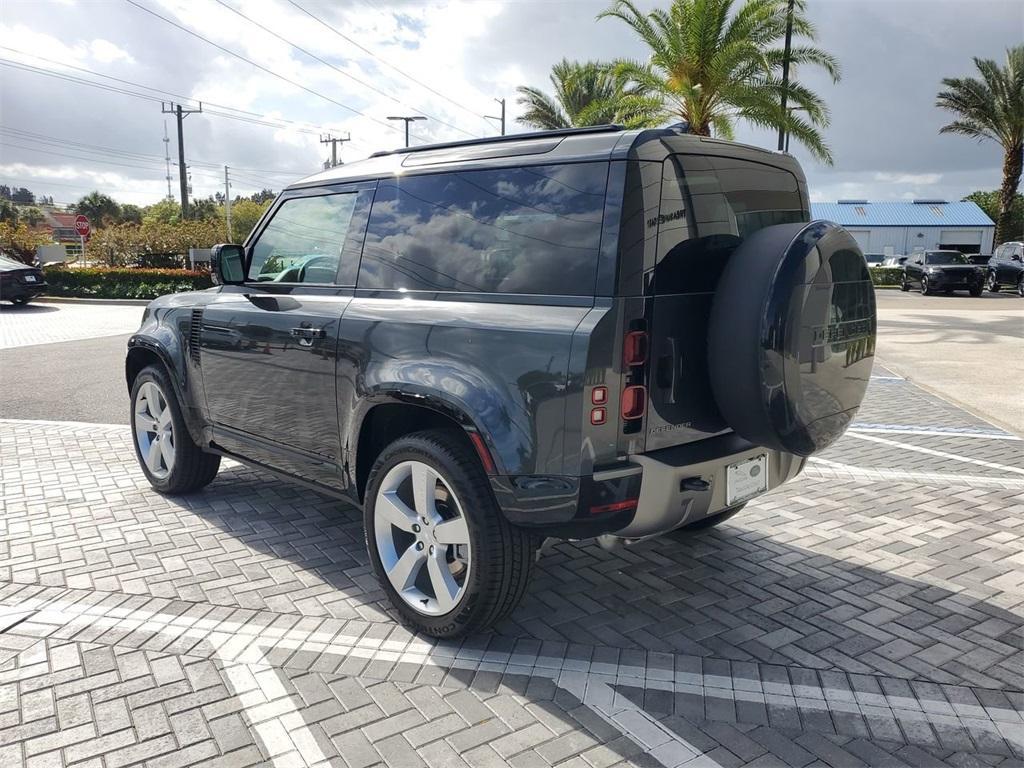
(617, 506)
(634, 348)
(634, 402)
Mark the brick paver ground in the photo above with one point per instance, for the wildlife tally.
(39, 323)
(869, 613)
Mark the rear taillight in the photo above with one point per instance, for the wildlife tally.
(634, 402)
(634, 348)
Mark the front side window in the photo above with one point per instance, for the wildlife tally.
(303, 243)
(514, 230)
(709, 205)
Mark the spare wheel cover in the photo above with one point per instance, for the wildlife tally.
(791, 337)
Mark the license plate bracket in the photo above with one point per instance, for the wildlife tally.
(746, 479)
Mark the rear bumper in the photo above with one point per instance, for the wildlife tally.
(687, 483)
(12, 291)
(644, 496)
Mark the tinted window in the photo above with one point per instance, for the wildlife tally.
(708, 206)
(304, 240)
(515, 230)
(945, 257)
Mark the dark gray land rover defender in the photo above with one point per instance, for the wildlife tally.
(570, 334)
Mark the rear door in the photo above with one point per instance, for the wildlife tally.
(709, 204)
(268, 348)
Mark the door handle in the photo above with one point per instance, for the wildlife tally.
(307, 335)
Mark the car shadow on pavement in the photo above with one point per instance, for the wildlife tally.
(735, 593)
(29, 309)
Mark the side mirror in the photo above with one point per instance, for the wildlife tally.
(227, 264)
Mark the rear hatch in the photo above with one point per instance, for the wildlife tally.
(709, 204)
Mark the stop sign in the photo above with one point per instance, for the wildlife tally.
(82, 225)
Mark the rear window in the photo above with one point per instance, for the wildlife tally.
(708, 206)
(513, 230)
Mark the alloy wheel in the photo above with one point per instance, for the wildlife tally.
(154, 430)
(992, 285)
(421, 537)
(924, 286)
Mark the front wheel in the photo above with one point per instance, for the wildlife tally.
(20, 301)
(172, 462)
(976, 291)
(444, 553)
(993, 284)
(926, 289)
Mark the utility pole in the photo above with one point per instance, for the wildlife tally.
(334, 142)
(785, 72)
(501, 117)
(408, 119)
(227, 201)
(176, 109)
(167, 160)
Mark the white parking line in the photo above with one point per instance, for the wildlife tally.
(819, 467)
(939, 454)
(900, 429)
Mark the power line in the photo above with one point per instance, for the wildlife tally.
(78, 146)
(340, 71)
(283, 122)
(258, 66)
(384, 61)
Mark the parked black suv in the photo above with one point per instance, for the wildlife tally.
(569, 334)
(945, 271)
(1006, 268)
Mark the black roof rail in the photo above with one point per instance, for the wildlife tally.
(609, 128)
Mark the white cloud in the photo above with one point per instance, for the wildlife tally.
(105, 52)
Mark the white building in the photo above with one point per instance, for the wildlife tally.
(902, 228)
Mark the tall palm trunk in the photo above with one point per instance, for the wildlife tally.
(1012, 167)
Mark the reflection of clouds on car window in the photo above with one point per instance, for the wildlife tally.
(303, 241)
(511, 230)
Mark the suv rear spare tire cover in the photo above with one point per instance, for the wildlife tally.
(791, 339)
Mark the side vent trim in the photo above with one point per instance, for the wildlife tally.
(195, 332)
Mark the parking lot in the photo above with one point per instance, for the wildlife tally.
(869, 613)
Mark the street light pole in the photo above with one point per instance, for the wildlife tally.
(408, 119)
(785, 72)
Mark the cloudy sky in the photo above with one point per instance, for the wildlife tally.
(266, 102)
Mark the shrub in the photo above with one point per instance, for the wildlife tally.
(152, 243)
(885, 277)
(114, 283)
(20, 243)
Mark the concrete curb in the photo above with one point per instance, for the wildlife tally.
(78, 300)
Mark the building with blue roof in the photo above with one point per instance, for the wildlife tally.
(903, 228)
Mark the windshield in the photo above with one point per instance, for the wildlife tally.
(945, 257)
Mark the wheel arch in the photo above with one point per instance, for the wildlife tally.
(389, 419)
(143, 352)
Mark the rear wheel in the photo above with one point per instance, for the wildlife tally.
(20, 301)
(976, 291)
(993, 284)
(444, 553)
(1020, 286)
(904, 285)
(172, 462)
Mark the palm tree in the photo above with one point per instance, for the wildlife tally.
(992, 108)
(585, 94)
(100, 209)
(711, 63)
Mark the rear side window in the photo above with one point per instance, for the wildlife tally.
(708, 206)
(512, 230)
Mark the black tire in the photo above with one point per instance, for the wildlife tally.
(193, 467)
(20, 301)
(976, 291)
(1020, 286)
(904, 285)
(993, 284)
(711, 520)
(501, 555)
(926, 290)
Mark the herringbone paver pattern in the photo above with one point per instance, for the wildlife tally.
(870, 613)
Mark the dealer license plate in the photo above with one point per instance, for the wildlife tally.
(746, 479)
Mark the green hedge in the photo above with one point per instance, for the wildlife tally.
(886, 277)
(115, 283)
